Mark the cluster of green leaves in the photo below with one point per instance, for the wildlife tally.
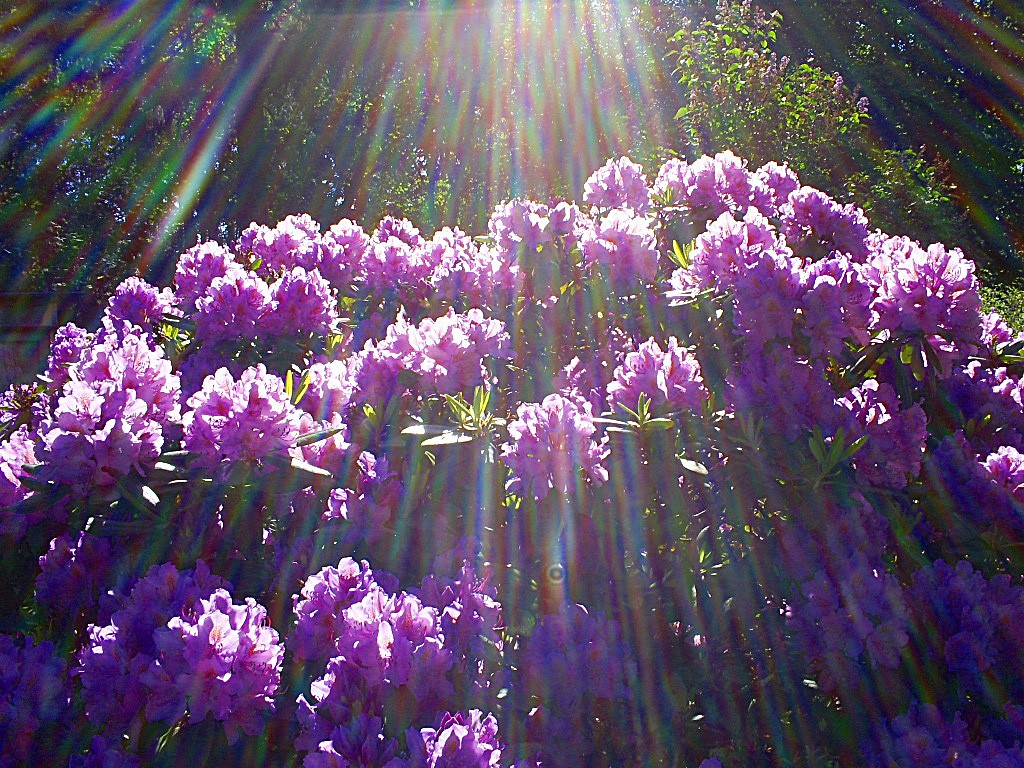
(742, 95)
(745, 92)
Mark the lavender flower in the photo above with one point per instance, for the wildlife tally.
(930, 292)
(520, 221)
(896, 437)
(447, 353)
(618, 184)
(835, 304)
(301, 303)
(550, 442)
(399, 229)
(728, 247)
(196, 270)
(69, 342)
(814, 223)
(625, 244)
(223, 660)
(671, 379)
(777, 182)
(342, 250)
(15, 453)
(137, 304)
(460, 740)
(240, 420)
(294, 242)
(709, 186)
(924, 736)
(118, 685)
(320, 607)
(233, 306)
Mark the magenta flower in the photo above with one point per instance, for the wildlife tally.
(670, 378)
(136, 303)
(930, 292)
(625, 244)
(814, 223)
(233, 306)
(301, 303)
(709, 186)
(294, 242)
(15, 453)
(460, 740)
(618, 184)
(447, 353)
(342, 250)
(198, 267)
(728, 247)
(224, 660)
(520, 221)
(240, 420)
(550, 443)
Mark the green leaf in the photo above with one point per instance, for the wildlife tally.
(659, 424)
(693, 466)
(449, 437)
(315, 437)
(426, 429)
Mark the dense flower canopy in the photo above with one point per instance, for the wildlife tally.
(662, 479)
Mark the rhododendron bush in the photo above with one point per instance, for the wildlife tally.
(701, 471)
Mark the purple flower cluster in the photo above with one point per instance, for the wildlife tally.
(381, 644)
(233, 306)
(896, 437)
(69, 342)
(320, 607)
(33, 700)
(123, 682)
(851, 612)
(625, 244)
(470, 276)
(460, 740)
(302, 303)
(711, 186)
(670, 378)
(814, 223)
(240, 420)
(358, 741)
(550, 442)
(446, 354)
(137, 305)
(785, 563)
(618, 184)
(196, 270)
(109, 418)
(369, 504)
(932, 292)
(294, 242)
(218, 658)
(15, 454)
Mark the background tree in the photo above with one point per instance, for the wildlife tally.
(744, 95)
(939, 155)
